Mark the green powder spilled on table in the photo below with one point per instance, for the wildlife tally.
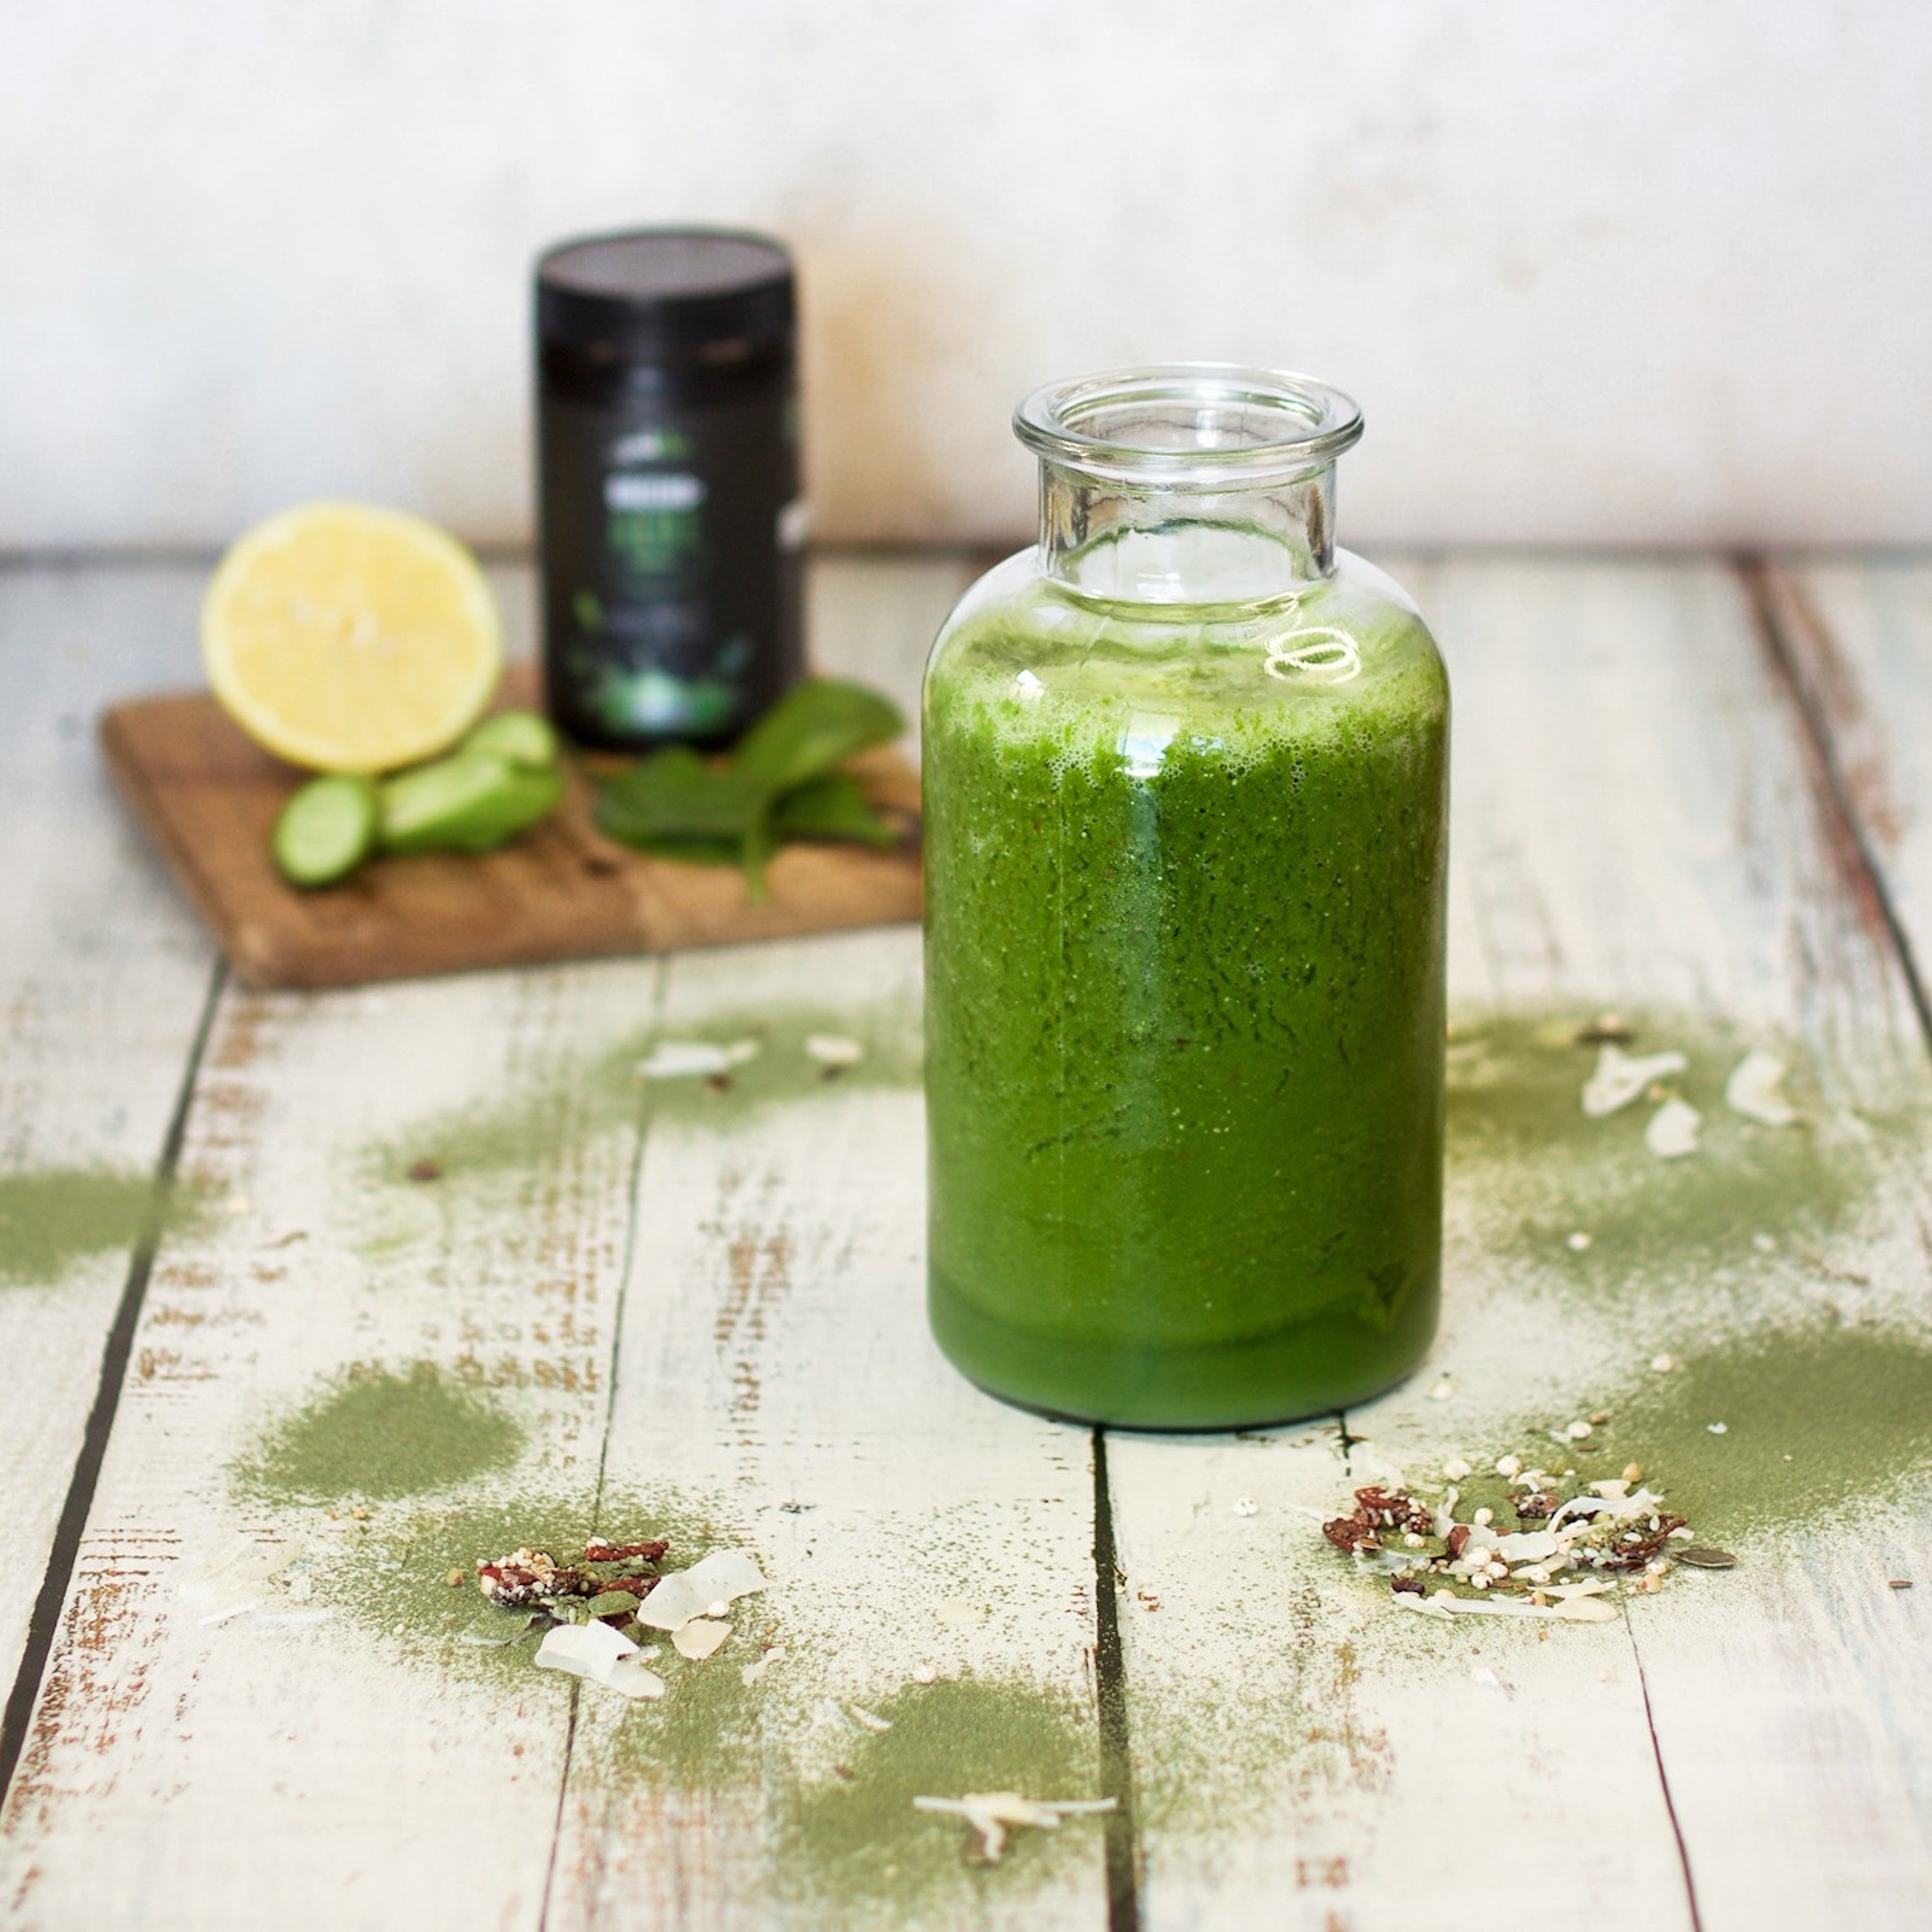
(706, 1732)
(379, 1435)
(393, 1574)
(1528, 1168)
(572, 1100)
(1763, 1430)
(1783, 1427)
(51, 1218)
(856, 1835)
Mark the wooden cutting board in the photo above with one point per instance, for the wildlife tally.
(208, 797)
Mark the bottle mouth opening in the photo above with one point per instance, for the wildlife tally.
(1203, 424)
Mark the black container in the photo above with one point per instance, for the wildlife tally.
(667, 485)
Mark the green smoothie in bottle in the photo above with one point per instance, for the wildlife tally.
(1185, 797)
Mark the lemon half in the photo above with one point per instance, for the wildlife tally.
(347, 638)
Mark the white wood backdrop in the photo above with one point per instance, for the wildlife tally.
(1639, 274)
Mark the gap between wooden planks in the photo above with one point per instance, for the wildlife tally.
(104, 979)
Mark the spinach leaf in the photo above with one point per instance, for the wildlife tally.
(690, 851)
(833, 807)
(675, 793)
(815, 727)
(779, 783)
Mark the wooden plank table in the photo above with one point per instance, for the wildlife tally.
(250, 1425)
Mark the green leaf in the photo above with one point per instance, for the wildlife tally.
(815, 727)
(688, 851)
(674, 794)
(832, 807)
(778, 783)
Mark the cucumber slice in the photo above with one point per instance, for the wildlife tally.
(523, 737)
(326, 830)
(472, 802)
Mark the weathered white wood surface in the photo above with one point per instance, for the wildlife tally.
(103, 977)
(1860, 637)
(1635, 829)
(195, 1746)
(775, 1354)
(710, 1304)
(1699, 866)
(778, 1379)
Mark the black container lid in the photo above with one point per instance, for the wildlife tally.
(696, 292)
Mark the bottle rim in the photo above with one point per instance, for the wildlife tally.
(1199, 424)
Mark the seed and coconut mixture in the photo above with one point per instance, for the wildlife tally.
(1553, 1547)
(598, 1611)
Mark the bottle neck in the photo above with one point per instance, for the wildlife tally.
(1160, 542)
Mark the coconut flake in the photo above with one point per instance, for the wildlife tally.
(1752, 1089)
(720, 1578)
(1672, 1131)
(1584, 1610)
(584, 1650)
(752, 1672)
(672, 1603)
(1446, 1604)
(690, 1059)
(630, 1677)
(1639, 1503)
(833, 1049)
(870, 1720)
(990, 1813)
(1621, 1077)
(596, 1650)
(1577, 1506)
(725, 1575)
(1528, 1546)
(699, 1638)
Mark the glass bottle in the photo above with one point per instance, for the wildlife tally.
(1185, 795)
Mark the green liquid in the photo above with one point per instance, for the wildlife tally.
(1185, 1024)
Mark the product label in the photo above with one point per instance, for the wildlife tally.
(671, 597)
